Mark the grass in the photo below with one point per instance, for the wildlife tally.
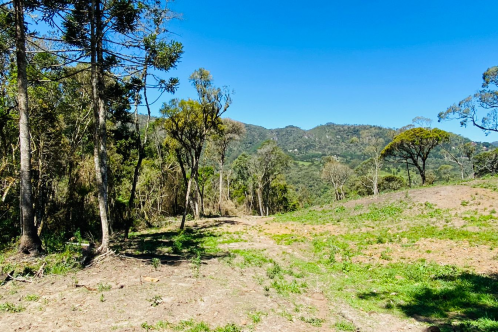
(256, 316)
(189, 326)
(344, 325)
(103, 287)
(32, 297)
(313, 321)
(11, 307)
(441, 294)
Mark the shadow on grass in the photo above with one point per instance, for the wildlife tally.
(456, 302)
(172, 247)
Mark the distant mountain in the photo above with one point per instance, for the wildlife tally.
(347, 142)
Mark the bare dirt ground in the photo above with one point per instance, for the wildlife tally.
(218, 295)
(121, 294)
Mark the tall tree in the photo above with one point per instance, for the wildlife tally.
(230, 131)
(190, 122)
(158, 56)
(266, 165)
(30, 242)
(414, 146)
(103, 31)
(337, 174)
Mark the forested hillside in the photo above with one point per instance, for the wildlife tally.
(342, 140)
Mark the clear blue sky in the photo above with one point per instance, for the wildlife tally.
(306, 63)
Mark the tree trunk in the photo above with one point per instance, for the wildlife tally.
(100, 150)
(260, 201)
(221, 189)
(187, 197)
(409, 177)
(30, 242)
(376, 180)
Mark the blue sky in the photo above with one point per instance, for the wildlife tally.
(354, 62)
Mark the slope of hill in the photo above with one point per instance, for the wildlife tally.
(401, 262)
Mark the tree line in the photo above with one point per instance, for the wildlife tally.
(77, 155)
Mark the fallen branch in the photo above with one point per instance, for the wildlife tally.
(19, 279)
(41, 270)
(101, 258)
(84, 286)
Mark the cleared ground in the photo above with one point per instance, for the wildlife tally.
(400, 262)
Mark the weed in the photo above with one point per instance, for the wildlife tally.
(147, 326)
(156, 300)
(196, 262)
(284, 287)
(102, 298)
(464, 203)
(345, 326)
(11, 307)
(385, 255)
(103, 287)
(32, 297)
(274, 271)
(251, 258)
(255, 316)
(156, 263)
(316, 322)
(358, 207)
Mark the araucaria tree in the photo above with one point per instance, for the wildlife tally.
(189, 123)
(118, 39)
(414, 146)
(30, 242)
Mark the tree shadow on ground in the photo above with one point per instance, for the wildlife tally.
(171, 247)
(457, 302)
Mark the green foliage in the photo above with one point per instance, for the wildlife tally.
(486, 163)
(190, 326)
(467, 110)
(11, 307)
(391, 183)
(344, 325)
(414, 146)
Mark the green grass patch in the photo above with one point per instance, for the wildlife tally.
(251, 257)
(287, 239)
(189, 326)
(11, 307)
(345, 325)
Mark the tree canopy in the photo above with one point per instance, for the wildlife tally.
(483, 103)
(414, 145)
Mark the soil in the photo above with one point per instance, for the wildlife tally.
(219, 293)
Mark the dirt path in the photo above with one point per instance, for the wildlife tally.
(118, 295)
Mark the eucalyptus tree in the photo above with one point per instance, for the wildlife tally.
(189, 123)
(480, 109)
(337, 174)
(266, 165)
(230, 131)
(413, 146)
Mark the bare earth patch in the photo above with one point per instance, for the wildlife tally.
(121, 294)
